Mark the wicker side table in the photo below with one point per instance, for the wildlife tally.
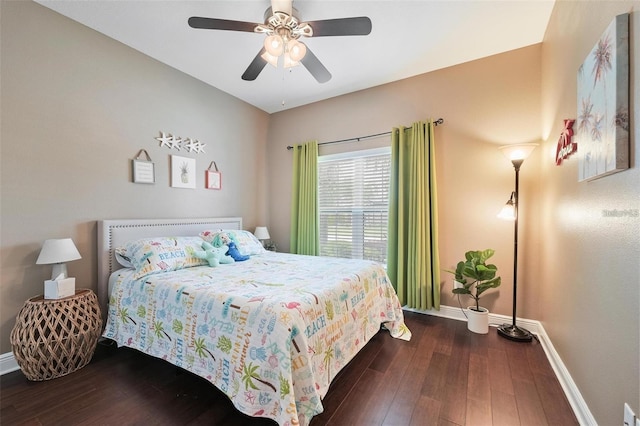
(55, 337)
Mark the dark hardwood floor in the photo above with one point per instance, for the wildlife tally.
(445, 375)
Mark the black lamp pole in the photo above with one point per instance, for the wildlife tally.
(512, 331)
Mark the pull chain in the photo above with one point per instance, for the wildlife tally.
(284, 71)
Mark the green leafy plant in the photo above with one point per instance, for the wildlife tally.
(474, 275)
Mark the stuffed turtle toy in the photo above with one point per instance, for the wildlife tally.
(214, 255)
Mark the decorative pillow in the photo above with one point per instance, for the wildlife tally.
(123, 258)
(214, 255)
(162, 254)
(246, 242)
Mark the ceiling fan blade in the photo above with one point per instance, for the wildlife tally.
(360, 25)
(315, 67)
(255, 67)
(221, 24)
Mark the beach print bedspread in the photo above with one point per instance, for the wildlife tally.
(270, 332)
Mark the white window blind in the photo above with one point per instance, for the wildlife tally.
(353, 202)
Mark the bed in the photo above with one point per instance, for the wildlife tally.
(270, 332)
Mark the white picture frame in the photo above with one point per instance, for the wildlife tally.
(183, 172)
(143, 172)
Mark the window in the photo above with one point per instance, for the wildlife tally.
(353, 202)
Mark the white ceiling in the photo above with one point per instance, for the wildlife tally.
(407, 38)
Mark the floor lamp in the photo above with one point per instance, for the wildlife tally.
(517, 154)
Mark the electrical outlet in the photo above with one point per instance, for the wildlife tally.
(457, 284)
(629, 416)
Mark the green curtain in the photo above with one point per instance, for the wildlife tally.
(305, 229)
(413, 261)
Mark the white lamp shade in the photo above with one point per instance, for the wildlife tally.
(288, 62)
(274, 45)
(58, 251)
(297, 50)
(262, 233)
(273, 60)
(508, 212)
(518, 152)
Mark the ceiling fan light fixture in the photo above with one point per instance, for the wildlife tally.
(274, 45)
(281, 30)
(273, 60)
(297, 50)
(289, 62)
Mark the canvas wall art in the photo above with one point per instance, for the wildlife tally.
(602, 127)
(183, 172)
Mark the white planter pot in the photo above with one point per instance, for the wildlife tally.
(478, 322)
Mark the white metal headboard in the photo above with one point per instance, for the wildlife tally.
(115, 233)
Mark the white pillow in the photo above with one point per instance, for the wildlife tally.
(122, 257)
(162, 254)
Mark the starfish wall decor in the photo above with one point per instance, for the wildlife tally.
(178, 143)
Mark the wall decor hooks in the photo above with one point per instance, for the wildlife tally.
(143, 170)
(178, 143)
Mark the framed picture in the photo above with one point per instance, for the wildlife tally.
(143, 170)
(213, 177)
(183, 172)
(602, 125)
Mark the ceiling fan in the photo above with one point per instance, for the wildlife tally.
(283, 28)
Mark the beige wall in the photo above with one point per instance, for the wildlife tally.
(484, 104)
(76, 108)
(590, 277)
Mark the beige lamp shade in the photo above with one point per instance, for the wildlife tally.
(262, 233)
(57, 252)
(518, 152)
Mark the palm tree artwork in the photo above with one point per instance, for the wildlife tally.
(328, 357)
(123, 313)
(285, 388)
(343, 298)
(250, 374)
(201, 348)
(603, 104)
(158, 329)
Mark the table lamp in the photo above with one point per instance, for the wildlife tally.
(262, 233)
(57, 252)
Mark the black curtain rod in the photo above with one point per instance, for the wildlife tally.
(436, 123)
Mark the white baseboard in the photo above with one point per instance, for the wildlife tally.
(577, 402)
(8, 363)
(579, 405)
(495, 320)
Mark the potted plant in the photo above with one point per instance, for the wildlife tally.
(473, 277)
